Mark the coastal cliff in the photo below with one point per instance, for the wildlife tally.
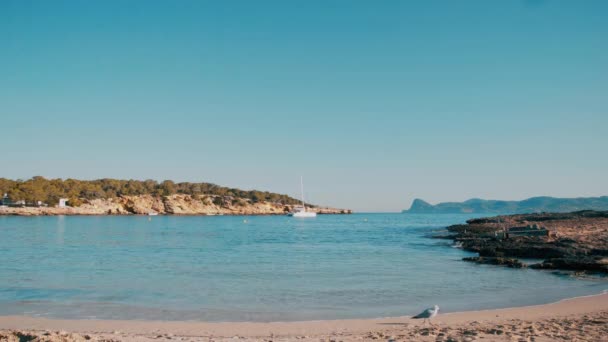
(178, 204)
(530, 205)
(575, 241)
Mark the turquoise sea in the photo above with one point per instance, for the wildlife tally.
(253, 268)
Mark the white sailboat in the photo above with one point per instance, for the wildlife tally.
(301, 212)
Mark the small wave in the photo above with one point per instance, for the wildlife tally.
(457, 244)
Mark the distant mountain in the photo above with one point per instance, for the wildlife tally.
(530, 205)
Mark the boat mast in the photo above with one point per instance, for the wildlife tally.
(302, 189)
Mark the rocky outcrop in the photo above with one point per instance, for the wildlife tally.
(571, 241)
(594, 264)
(169, 205)
(512, 263)
(143, 204)
(420, 206)
(519, 247)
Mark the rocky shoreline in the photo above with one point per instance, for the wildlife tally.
(178, 204)
(576, 241)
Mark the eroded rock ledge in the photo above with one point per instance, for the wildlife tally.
(168, 205)
(576, 241)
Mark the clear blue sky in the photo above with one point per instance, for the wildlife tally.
(374, 102)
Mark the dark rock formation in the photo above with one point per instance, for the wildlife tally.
(569, 241)
(513, 263)
(520, 247)
(593, 264)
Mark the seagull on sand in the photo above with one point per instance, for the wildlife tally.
(428, 314)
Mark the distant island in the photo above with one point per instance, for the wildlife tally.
(530, 205)
(41, 196)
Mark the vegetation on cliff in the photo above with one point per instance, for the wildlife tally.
(51, 190)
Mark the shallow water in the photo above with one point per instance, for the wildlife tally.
(262, 268)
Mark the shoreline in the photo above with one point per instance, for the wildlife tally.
(177, 204)
(133, 329)
(12, 214)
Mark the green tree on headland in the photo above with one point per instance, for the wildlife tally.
(51, 190)
(168, 188)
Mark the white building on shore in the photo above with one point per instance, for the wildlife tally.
(63, 202)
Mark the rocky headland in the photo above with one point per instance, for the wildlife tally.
(576, 241)
(530, 205)
(178, 204)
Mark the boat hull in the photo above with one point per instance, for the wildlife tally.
(303, 214)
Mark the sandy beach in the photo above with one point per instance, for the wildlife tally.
(576, 319)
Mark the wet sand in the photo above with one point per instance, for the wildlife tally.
(583, 318)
